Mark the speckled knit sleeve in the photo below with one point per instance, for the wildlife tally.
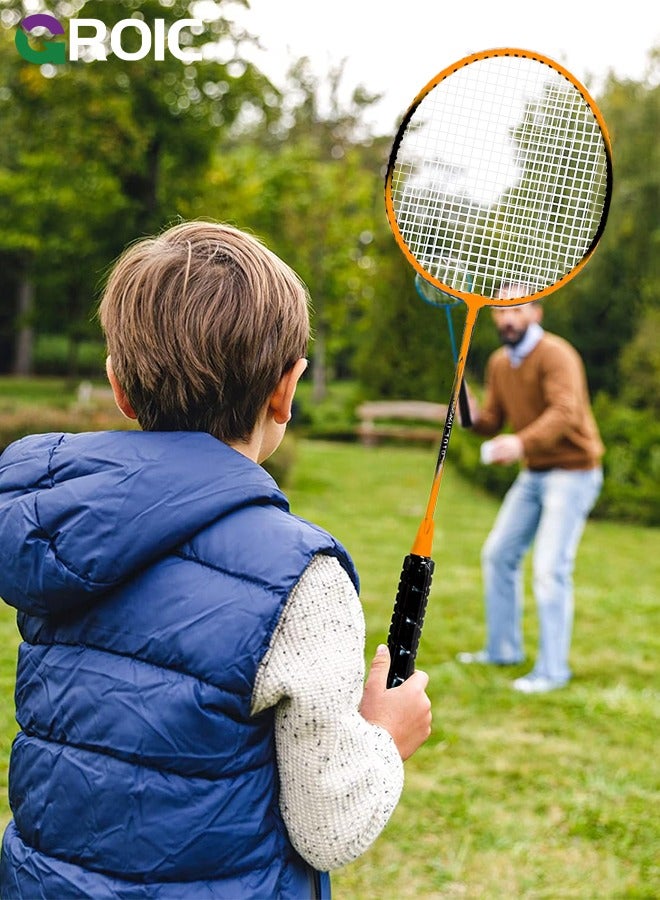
(341, 777)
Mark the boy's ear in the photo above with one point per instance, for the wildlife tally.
(281, 399)
(121, 399)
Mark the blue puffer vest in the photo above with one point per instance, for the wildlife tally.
(149, 571)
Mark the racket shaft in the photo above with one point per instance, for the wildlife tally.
(408, 617)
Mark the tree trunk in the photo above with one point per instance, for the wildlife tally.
(25, 334)
(319, 381)
(72, 356)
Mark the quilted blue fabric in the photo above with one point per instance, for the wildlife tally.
(149, 571)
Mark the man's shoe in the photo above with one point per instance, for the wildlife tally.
(536, 684)
(468, 659)
(482, 658)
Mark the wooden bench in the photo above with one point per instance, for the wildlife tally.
(400, 420)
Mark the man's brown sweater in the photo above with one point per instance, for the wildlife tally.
(545, 400)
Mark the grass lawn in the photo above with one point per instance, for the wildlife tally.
(548, 796)
(21, 392)
(539, 797)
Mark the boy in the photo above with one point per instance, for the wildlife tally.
(189, 686)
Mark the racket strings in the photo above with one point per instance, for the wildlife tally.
(567, 160)
(503, 169)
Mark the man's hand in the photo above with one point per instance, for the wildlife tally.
(506, 449)
(404, 711)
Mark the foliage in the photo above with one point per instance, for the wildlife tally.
(601, 309)
(281, 464)
(333, 417)
(405, 350)
(52, 356)
(134, 139)
(307, 187)
(640, 365)
(631, 490)
(140, 144)
(632, 462)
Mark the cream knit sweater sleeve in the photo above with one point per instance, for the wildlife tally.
(341, 777)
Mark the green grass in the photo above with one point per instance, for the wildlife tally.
(21, 392)
(551, 796)
(539, 797)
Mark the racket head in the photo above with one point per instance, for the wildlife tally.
(432, 295)
(502, 169)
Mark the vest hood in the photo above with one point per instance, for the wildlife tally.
(80, 514)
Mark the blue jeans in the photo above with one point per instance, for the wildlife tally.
(549, 508)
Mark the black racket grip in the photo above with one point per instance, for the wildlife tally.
(408, 617)
(464, 406)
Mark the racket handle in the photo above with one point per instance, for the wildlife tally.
(408, 617)
(464, 406)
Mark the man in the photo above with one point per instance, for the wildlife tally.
(536, 383)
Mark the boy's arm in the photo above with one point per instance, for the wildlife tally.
(341, 776)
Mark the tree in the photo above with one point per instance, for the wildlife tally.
(601, 309)
(640, 364)
(308, 185)
(133, 141)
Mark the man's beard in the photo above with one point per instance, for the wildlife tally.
(511, 336)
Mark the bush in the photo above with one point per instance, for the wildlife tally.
(640, 365)
(632, 462)
(333, 418)
(42, 420)
(53, 356)
(280, 464)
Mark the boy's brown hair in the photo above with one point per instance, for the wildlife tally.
(201, 322)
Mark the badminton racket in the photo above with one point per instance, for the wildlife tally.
(501, 169)
(437, 298)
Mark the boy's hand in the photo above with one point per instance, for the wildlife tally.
(404, 711)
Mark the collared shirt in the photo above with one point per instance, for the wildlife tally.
(524, 347)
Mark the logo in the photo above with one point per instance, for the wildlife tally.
(88, 40)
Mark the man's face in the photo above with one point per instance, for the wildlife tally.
(513, 321)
